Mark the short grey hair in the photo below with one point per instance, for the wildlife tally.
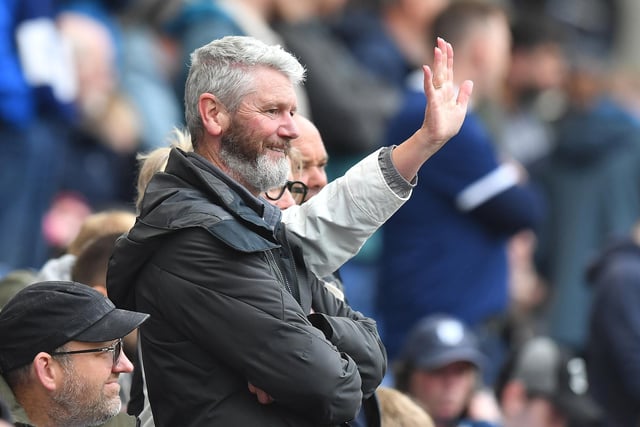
(224, 68)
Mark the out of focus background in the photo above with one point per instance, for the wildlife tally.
(87, 86)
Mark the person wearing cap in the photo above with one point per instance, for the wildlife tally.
(61, 356)
(543, 384)
(439, 367)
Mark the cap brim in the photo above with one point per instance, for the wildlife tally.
(445, 357)
(116, 324)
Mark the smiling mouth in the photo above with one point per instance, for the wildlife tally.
(279, 149)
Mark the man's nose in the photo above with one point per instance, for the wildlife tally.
(317, 177)
(123, 365)
(288, 129)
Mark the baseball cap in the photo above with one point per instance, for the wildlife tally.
(45, 315)
(438, 340)
(550, 370)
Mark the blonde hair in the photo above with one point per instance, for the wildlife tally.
(295, 159)
(100, 224)
(156, 160)
(398, 410)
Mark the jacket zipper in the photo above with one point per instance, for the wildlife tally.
(272, 262)
(292, 262)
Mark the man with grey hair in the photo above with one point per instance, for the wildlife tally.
(241, 332)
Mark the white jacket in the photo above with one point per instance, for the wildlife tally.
(339, 219)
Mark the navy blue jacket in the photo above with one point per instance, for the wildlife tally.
(613, 349)
(437, 256)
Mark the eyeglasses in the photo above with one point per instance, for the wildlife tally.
(116, 348)
(298, 190)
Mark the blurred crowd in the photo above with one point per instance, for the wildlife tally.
(523, 226)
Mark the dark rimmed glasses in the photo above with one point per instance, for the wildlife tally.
(298, 190)
(116, 348)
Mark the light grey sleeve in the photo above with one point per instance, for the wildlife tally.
(337, 221)
(400, 186)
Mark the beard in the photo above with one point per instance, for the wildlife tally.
(239, 151)
(79, 405)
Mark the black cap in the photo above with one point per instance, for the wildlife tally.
(439, 340)
(44, 316)
(550, 370)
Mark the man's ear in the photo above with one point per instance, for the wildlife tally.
(47, 371)
(214, 115)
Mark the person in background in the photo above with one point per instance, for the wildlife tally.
(99, 164)
(543, 384)
(156, 160)
(448, 242)
(313, 156)
(215, 240)
(93, 226)
(340, 88)
(90, 268)
(36, 111)
(61, 356)
(387, 37)
(613, 341)
(590, 181)
(293, 192)
(398, 410)
(314, 160)
(533, 96)
(439, 367)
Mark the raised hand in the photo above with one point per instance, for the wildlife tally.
(445, 111)
(443, 115)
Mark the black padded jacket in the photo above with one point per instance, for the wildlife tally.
(230, 301)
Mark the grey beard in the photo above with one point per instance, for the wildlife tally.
(70, 410)
(261, 175)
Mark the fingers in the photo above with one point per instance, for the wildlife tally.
(442, 63)
(442, 73)
(464, 94)
(439, 61)
(262, 396)
(449, 62)
(428, 80)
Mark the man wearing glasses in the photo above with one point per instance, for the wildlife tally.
(61, 356)
(297, 189)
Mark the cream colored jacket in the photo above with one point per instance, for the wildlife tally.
(339, 219)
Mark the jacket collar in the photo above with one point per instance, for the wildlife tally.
(217, 187)
(193, 192)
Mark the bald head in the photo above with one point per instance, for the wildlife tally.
(313, 155)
